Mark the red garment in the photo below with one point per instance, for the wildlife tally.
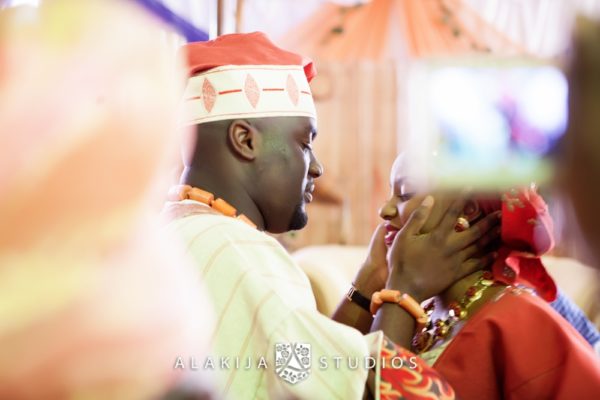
(517, 347)
(416, 382)
(527, 233)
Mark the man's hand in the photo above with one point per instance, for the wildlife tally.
(424, 264)
(371, 277)
(374, 272)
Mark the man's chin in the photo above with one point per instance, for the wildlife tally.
(299, 218)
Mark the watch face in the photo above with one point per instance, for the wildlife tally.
(350, 293)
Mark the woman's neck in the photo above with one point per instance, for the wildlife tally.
(458, 289)
(457, 292)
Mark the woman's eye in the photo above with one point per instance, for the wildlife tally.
(406, 196)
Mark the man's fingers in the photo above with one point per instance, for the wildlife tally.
(418, 218)
(413, 226)
(482, 227)
(490, 237)
(469, 252)
(476, 264)
(485, 231)
(442, 203)
(378, 237)
(449, 221)
(377, 247)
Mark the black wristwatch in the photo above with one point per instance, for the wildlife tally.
(355, 296)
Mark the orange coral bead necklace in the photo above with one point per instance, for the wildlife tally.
(187, 192)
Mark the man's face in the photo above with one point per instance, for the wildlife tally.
(286, 168)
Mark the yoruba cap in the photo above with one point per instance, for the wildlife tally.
(245, 76)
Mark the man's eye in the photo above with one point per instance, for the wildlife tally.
(406, 196)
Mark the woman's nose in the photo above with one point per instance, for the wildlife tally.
(388, 210)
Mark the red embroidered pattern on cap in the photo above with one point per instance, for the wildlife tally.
(209, 94)
(251, 90)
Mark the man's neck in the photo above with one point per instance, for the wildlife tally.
(226, 190)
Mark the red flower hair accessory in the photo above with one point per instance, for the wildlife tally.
(526, 233)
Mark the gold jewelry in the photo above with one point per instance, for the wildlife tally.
(462, 224)
(458, 311)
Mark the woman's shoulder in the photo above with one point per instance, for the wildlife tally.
(516, 314)
(513, 322)
(519, 340)
(514, 304)
(511, 297)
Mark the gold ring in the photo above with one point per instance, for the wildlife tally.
(462, 224)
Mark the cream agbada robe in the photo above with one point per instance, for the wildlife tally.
(261, 298)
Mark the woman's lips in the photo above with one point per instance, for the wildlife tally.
(392, 231)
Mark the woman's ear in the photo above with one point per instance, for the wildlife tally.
(243, 137)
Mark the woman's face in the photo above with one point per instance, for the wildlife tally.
(402, 202)
(405, 198)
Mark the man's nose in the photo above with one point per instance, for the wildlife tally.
(315, 168)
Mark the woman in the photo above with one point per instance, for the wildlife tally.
(489, 335)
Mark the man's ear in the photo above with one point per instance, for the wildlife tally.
(243, 137)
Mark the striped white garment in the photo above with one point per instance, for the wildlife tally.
(262, 298)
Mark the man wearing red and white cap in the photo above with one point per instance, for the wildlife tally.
(249, 168)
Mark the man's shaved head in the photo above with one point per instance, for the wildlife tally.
(265, 167)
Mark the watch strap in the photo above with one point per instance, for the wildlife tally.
(355, 296)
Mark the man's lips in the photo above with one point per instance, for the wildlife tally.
(391, 232)
(308, 192)
(308, 197)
